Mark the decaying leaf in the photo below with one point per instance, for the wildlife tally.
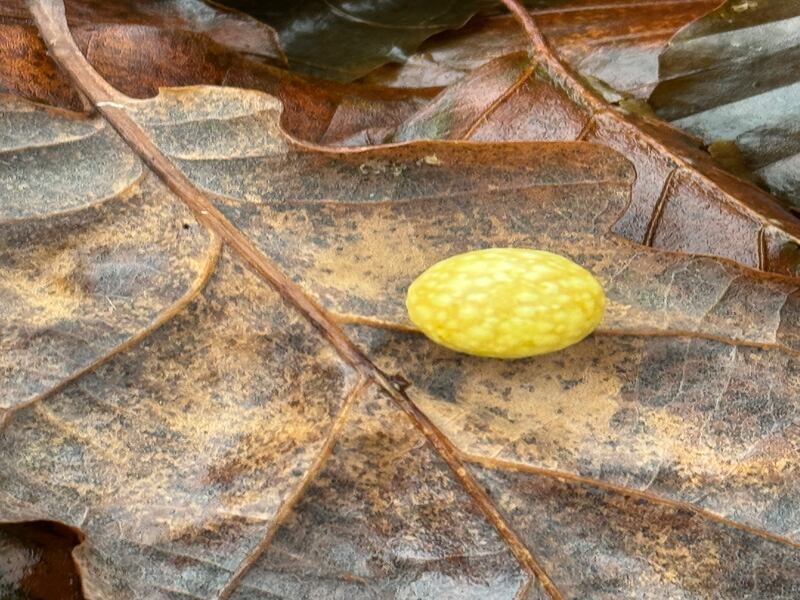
(689, 421)
(139, 48)
(212, 436)
(313, 210)
(386, 519)
(344, 40)
(35, 562)
(605, 544)
(617, 42)
(732, 75)
(681, 200)
(94, 253)
(202, 129)
(230, 29)
(175, 458)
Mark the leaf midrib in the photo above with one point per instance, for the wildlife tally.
(51, 21)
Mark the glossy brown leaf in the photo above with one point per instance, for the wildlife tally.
(139, 47)
(35, 562)
(681, 200)
(616, 42)
(732, 75)
(230, 29)
(244, 449)
(343, 40)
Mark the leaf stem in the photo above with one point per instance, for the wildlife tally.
(112, 105)
(761, 207)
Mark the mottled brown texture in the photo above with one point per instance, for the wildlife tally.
(174, 457)
(681, 200)
(233, 453)
(230, 29)
(229, 545)
(707, 424)
(312, 211)
(602, 545)
(360, 208)
(93, 253)
(384, 519)
(55, 162)
(139, 47)
(233, 30)
(733, 75)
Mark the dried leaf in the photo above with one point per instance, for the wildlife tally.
(681, 201)
(678, 421)
(312, 211)
(123, 443)
(242, 449)
(140, 48)
(732, 75)
(230, 29)
(94, 255)
(175, 458)
(385, 518)
(617, 42)
(606, 544)
(360, 209)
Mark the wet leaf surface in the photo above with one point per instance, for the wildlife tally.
(94, 252)
(616, 42)
(175, 457)
(208, 440)
(139, 49)
(732, 75)
(690, 421)
(35, 562)
(230, 29)
(344, 40)
(363, 208)
(385, 518)
(681, 199)
(356, 209)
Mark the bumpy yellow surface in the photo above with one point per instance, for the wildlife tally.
(506, 302)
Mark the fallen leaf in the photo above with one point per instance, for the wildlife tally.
(385, 518)
(95, 256)
(139, 48)
(183, 385)
(312, 211)
(681, 201)
(230, 29)
(649, 292)
(609, 544)
(732, 75)
(616, 42)
(345, 40)
(244, 449)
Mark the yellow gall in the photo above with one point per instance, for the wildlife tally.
(506, 302)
